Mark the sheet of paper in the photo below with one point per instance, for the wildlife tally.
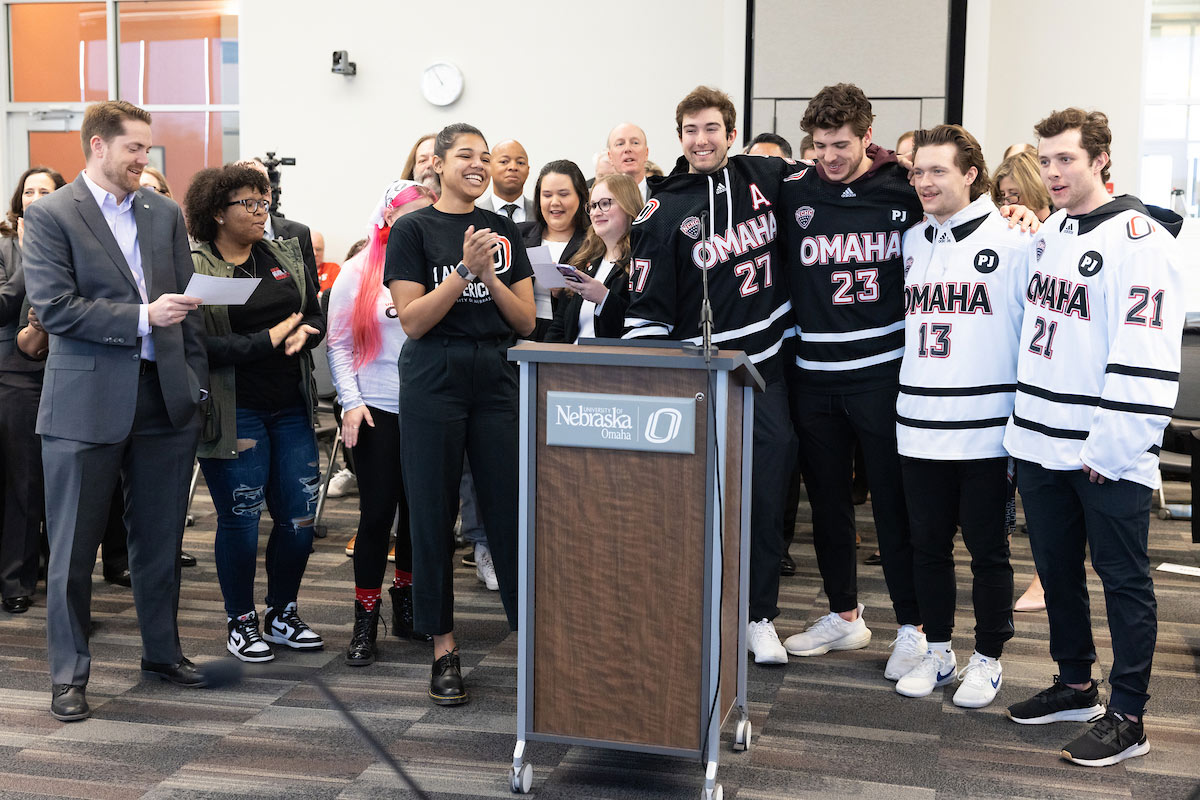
(544, 268)
(217, 291)
(1180, 569)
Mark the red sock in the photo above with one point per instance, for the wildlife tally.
(402, 578)
(368, 597)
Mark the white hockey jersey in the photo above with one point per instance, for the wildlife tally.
(1098, 369)
(963, 299)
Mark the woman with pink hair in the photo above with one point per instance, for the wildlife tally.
(365, 338)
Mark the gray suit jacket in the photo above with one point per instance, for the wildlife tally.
(485, 202)
(85, 297)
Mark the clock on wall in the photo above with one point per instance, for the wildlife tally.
(441, 83)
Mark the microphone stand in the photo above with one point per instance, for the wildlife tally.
(706, 315)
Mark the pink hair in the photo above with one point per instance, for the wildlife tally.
(364, 327)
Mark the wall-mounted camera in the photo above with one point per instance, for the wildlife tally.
(342, 64)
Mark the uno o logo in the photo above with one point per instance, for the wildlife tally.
(646, 211)
(672, 418)
(502, 256)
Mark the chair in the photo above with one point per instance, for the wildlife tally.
(1179, 439)
(326, 396)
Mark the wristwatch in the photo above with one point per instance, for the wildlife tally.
(465, 273)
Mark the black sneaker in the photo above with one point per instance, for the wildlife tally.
(1057, 704)
(284, 626)
(245, 641)
(361, 652)
(1110, 741)
(402, 614)
(446, 687)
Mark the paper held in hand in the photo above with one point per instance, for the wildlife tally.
(545, 269)
(217, 291)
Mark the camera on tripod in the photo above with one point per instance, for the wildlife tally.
(273, 164)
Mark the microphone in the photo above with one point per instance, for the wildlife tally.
(706, 315)
(225, 673)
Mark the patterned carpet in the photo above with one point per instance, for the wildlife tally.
(823, 727)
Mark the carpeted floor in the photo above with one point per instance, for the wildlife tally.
(823, 727)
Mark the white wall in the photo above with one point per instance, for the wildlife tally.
(1026, 58)
(580, 68)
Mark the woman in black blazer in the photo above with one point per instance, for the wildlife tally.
(599, 293)
(560, 222)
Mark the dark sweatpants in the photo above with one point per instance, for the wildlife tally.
(1069, 515)
(773, 459)
(457, 396)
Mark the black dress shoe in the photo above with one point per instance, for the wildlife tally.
(185, 673)
(873, 560)
(68, 703)
(787, 566)
(17, 605)
(120, 578)
(446, 687)
(186, 559)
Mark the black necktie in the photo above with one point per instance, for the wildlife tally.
(510, 209)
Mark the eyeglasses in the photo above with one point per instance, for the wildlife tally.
(151, 187)
(251, 205)
(1011, 198)
(604, 204)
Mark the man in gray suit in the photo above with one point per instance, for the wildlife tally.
(510, 171)
(104, 265)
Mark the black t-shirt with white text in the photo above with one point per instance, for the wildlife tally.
(426, 246)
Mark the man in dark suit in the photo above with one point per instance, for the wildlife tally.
(510, 171)
(104, 265)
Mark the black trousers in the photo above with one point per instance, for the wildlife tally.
(773, 459)
(827, 425)
(24, 507)
(380, 496)
(457, 397)
(1068, 516)
(943, 495)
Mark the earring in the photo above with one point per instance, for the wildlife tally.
(220, 221)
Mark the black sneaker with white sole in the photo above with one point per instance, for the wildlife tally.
(1110, 741)
(245, 641)
(284, 626)
(1059, 703)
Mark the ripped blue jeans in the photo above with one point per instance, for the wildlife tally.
(276, 469)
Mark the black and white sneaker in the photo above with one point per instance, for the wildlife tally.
(1110, 741)
(1059, 703)
(284, 626)
(245, 641)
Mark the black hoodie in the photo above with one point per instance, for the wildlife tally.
(725, 223)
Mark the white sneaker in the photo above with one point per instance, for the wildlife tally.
(907, 651)
(484, 569)
(763, 641)
(284, 626)
(245, 641)
(935, 669)
(981, 679)
(830, 632)
(342, 483)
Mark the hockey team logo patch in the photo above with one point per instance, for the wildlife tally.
(1090, 263)
(804, 215)
(908, 262)
(1041, 248)
(691, 227)
(646, 211)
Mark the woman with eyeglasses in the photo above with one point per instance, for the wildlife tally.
(257, 448)
(155, 181)
(560, 222)
(600, 283)
(1018, 181)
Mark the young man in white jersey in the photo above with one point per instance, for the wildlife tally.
(1097, 378)
(963, 290)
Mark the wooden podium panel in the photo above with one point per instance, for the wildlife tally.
(618, 652)
(731, 549)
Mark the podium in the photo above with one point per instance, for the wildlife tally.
(633, 565)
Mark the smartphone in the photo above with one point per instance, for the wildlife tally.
(568, 273)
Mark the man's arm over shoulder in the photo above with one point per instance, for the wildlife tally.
(652, 278)
(49, 258)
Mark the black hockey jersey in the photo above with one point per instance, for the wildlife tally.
(723, 223)
(846, 273)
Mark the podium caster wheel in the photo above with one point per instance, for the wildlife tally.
(742, 735)
(521, 780)
(715, 793)
(320, 531)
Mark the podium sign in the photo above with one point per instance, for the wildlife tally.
(621, 422)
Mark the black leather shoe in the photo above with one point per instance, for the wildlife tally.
(362, 651)
(787, 566)
(17, 605)
(402, 614)
(873, 560)
(68, 703)
(120, 578)
(446, 687)
(185, 673)
(186, 559)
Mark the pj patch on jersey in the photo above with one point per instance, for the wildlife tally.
(723, 224)
(963, 299)
(1098, 369)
